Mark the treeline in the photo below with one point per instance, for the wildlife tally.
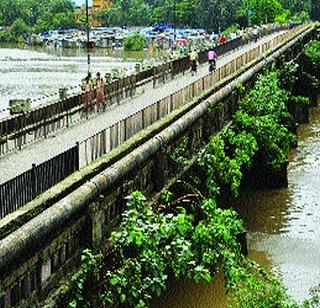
(23, 17)
(34, 16)
(208, 14)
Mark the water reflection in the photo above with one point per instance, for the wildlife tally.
(187, 293)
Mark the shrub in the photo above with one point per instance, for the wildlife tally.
(134, 42)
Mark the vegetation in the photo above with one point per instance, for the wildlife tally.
(134, 42)
(151, 245)
(224, 159)
(209, 14)
(310, 68)
(26, 16)
(17, 32)
(230, 29)
(189, 236)
(259, 127)
(312, 51)
(179, 152)
(40, 15)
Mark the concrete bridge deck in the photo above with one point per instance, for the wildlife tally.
(15, 163)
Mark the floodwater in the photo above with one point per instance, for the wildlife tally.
(38, 73)
(283, 229)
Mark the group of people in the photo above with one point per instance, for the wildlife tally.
(89, 84)
(212, 59)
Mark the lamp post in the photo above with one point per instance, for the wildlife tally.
(88, 36)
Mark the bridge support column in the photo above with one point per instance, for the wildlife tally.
(160, 169)
(97, 220)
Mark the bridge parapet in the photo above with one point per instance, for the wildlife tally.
(34, 257)
(20, 130)
(112, 136)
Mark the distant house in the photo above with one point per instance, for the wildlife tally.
(100, 4)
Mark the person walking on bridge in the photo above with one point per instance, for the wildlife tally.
(100, 97)
(212, 57)
(222, 39)
(194, 62)
(87, 88)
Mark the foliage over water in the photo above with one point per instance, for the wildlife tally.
(193, 237)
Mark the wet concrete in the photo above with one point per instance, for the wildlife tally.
(283, 229)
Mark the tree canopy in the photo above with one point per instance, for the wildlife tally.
(41, 14)
(216, 15)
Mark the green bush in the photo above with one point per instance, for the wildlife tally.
(312, 51)
(134, 42)
(149, 245)
(16, 32)
(300, 100)
(231, 29)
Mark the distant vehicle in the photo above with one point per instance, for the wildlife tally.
(161, 27)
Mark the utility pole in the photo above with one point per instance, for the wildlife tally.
(88, 36)
(174, 21)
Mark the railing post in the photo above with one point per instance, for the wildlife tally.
(34, 181)
(68, 116)
(142, 116)
(77, 156)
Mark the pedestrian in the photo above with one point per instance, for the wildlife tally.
(212, 58)
(255, 34)
(194, 62)
(100, 97)
(222, 39)
(87, 88)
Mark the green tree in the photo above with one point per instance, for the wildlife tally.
(185, 12)
(131, 12)
(262, 11)
(164, 12)
(40, 14)
(134, 42)
(315, 9)
(218, 14)
(296, 6)
(17, 32)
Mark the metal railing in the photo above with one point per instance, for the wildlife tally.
(28, 185)
(19, 130)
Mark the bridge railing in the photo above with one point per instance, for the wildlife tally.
(35, 257)
(19, 191)
(112, 136)
(18, 130)
(28, 185)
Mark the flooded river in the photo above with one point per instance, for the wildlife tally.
(283, 229)
(38, 73)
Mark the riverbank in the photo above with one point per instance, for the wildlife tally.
(283, 229)
(284, 223)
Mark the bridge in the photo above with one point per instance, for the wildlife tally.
(69, 170)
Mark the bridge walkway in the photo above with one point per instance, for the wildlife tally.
(15, 163)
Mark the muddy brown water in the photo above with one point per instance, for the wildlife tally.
(283, 229)
(38, 72)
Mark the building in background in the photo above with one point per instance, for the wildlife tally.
(99, 4)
